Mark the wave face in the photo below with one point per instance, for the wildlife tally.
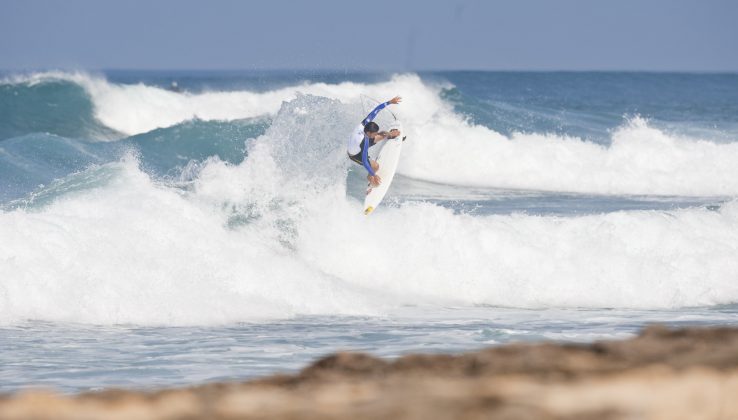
(49, 104)
(249, 214)
(30, 162)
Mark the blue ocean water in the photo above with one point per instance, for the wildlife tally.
(169, 228)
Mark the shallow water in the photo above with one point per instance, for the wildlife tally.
(73, 358)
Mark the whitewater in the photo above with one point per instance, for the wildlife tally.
(227, 212)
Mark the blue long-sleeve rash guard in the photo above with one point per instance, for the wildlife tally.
(372, 115)
(353, 143)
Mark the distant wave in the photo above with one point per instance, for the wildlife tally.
(138, 108)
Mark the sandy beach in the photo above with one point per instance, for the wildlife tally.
(660, 374)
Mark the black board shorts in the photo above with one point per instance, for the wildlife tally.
(356, 158)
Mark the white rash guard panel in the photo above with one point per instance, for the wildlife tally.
(354, 142)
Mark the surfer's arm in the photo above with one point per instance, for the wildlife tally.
(372, 115)
(365, 157)
(382, 135)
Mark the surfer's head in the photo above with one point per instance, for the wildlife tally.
(371, 128)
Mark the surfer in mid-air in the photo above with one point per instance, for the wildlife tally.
(366, 135)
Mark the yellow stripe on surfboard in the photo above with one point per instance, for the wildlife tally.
(368, 210)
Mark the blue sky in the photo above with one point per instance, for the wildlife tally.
(652, 35)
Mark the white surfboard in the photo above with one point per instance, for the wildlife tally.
(388, 158)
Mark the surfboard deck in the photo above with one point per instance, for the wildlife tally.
(388, 158)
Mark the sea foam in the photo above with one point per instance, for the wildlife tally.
(137, 252)
(274, 237)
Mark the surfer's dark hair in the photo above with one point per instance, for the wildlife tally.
(371, 127)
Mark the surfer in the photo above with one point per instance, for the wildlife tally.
(366, 135)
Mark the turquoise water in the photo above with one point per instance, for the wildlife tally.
(153, 234)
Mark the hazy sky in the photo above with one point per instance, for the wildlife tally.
(681, 35)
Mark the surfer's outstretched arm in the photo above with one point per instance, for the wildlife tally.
(372, 115)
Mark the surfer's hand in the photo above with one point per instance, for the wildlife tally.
(396, 100)
(375, 180)
(394, 133)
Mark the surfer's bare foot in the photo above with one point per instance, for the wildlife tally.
(374, 180)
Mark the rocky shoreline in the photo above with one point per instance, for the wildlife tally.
(688, 373)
